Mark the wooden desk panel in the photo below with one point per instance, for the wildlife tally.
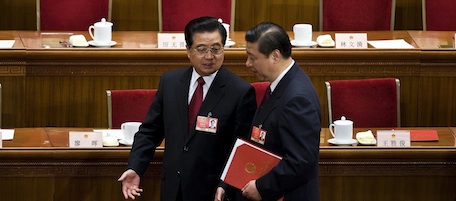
(12, 73)
(422, 172)
(65, 87)
(439, 76)
(52, 171)
(425, 171)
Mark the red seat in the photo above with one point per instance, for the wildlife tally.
(367, 102)
(71, 15)
(260, 89)
(128, 105)
(175, 14)
(439, 15)
(357, 15)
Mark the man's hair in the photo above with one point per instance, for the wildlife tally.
(201, 25)
(270, 37)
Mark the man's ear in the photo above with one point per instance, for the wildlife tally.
(275, 55)
(188, 51)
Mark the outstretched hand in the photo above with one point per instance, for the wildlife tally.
(130, 184)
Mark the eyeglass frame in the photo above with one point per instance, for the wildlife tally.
(207, 49)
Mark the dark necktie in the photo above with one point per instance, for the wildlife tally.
(195, 103)
(266, 96)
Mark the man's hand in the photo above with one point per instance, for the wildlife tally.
(130, 184)
(219, 194)
(250, 191)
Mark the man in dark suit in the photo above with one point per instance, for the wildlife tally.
(290, 119)
(194, 153)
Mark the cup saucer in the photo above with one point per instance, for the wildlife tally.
(110, 44)
(110, 142)
(303, 44)
(350, 142)
(229, 43)
(125, 142)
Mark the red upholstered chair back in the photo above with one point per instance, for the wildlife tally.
(357, 15)
(175, 14)
(260, 89)
(367, 102)
(71, 15)
(439, 15)
(128, 105)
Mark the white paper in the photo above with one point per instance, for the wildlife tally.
(117, 133)
(398, 43)
(393, 138)
(85, 139)
(351, 40)
(171, 40)
(7, 134)
(6, 43)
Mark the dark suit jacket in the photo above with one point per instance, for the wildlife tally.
(193, 161)
(292, 119)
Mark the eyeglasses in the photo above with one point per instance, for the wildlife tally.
(202, 50)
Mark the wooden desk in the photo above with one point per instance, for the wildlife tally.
(38, 165)
(425, 171)
(65, 87)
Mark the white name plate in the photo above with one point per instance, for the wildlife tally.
(351, 40)
(171, 40)
(1, 140)
(85, 139)
(393, 138)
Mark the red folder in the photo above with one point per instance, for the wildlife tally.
(247, 162)
(424, 135)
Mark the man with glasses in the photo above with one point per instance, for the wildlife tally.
(187, 100)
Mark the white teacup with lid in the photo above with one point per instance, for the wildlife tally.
(227, 28)
(129, 130)
(302, 34)
(102, 32)
(342, 130)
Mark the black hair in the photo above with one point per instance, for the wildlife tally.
(201, 25)
(270, 37)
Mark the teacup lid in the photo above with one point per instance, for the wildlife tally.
(343, 120)
(103, 23)
(221, 22)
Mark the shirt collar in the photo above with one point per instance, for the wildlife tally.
(277, 80)
(207, 79)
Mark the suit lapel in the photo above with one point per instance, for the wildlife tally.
(182, 97)
(262, 113)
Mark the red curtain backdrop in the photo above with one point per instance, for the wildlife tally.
(440, 15)
(177, 13)
(71, 15)
(356, 15)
